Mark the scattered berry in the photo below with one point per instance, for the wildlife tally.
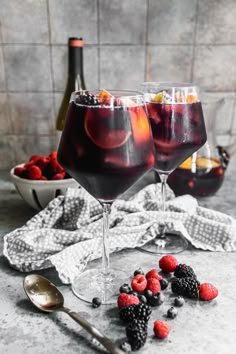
(207, 292)
(133, 293)
(138, 271)
(172, 312)
(164, 283)
(136, 335)
(125, 288)
(127, 300)
(179, 301)
(153, 285)
(187, 287)
(126, 347)
(161, 329)
(142, 312)
(96, 302)
(34, 172)
(148, 294)
(139, 312)
(139, 283)
(168, 263)
(19, 170)
(153, 274)
(127, 314)
(142, 299)
(156, 300)
(184, 271)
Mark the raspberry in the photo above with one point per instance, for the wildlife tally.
(153, 274)
(18, 171)
(184, 271)
(207, 292)
(42, 162)
(153, 285)
(34, 158)
(43, 178)
(58, 176)
(161, 329)
(187, 287)
(168, 263)
(139, 283)
(127, 300)
(34, 172)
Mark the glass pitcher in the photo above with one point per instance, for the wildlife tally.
(202, 174)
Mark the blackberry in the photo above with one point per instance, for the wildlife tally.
(136, 335)
(184, 271)
(127, 314)
(142, 312)
(125, 288)
(164, 283)
(96, 302)
(172, 312)
(87, 99)
(139, 312)
(187, 287)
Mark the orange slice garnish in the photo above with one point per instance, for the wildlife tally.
(140, 124)
(104, 96)
(201, 162)
(97, 130)
(192, 98)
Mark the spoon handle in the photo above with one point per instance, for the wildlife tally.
(105, 341)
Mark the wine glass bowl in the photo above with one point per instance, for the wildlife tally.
(177, 122)
(106, 145)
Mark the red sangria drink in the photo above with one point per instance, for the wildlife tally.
(178, 128)
(106, 145)
(199, 177)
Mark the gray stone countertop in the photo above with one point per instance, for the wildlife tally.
(200, 327)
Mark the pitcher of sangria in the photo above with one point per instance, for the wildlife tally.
(202, 174)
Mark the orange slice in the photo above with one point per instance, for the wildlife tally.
(158, 97)
(201, 162)
(191, 98)
(140, 124)
(97, 130)
(104, 96)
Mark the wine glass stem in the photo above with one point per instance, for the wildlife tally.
(163, 178)
(105, 242)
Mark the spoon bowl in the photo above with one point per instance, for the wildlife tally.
(46, 297)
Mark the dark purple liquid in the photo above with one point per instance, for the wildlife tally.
(106, 150)
(178, 131)
(202, 182)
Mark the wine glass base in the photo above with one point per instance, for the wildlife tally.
(169, 243)
(93, 283)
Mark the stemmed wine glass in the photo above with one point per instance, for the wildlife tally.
(106, 145)
(176, 117)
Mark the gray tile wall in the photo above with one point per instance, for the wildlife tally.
(126, 42)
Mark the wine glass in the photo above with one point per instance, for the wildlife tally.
(176, 117)
(106, 145)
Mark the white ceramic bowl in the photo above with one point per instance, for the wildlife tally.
(39, 193)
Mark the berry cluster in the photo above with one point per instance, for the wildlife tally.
(136, 300)
(42, 168)
(88, 99)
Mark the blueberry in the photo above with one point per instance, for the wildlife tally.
(96, 302)
(138, 271)
(179, 301)
(133, 293)
(142, 299)
(126, 347)
(172, 312)
(157, 299)
(148, 294)
(164, 283)
(125, 288)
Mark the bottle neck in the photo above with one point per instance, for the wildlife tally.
(75, 66)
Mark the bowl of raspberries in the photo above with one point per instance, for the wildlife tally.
(41, 179)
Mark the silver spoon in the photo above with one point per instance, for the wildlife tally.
(46, 297)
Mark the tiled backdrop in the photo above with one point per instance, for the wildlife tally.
(126, 43)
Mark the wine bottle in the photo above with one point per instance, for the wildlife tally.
(75, 79)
